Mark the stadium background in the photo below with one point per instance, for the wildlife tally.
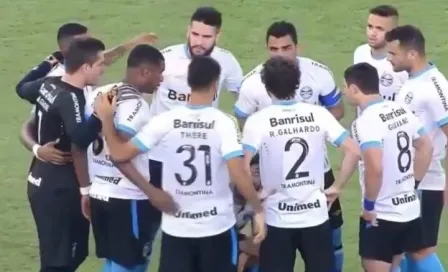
(329, 32)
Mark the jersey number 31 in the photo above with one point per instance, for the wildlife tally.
(189, 163)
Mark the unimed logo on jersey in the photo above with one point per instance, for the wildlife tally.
(403, 199)
(197, 215)
(298, 207)
(296, 119)
(177, 123)
(440, 93)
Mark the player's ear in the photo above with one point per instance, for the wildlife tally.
(298, 49)
(218, 34)
(188, 32)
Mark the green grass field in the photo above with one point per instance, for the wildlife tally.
(329, 32)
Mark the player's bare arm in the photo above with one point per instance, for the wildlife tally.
(422, 158)
(112, 55)
(337, 110)
(372, 157)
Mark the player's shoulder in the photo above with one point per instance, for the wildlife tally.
(362, 49)
(225, 58)
(254, 76)
(222, 53)
(173, 50)
(311, 66)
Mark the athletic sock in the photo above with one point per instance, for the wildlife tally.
(114, 267)
(397, 269)
(430, 263)
(338, 250)
(404, 263)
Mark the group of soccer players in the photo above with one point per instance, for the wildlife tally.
(101, 153)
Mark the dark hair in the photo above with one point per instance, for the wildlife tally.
(282, 29)
(409, 37)
(202, 72)
(363, 75)
(281, 77)
(207, 15)
(144, 54)
(69, 30)
(384, 11)
(82, 51)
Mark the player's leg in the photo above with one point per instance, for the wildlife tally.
(79, 231)
(379, 245)
(336, 222)
(278, 250)
(99, 218)
(426, 259)
(219, 253)
(178, 254)
(316, 248)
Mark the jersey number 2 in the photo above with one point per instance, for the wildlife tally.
(293, 174)
(404, 154)
(191, 150)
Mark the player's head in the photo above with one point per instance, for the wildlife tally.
(67, 32)
(203, 31)
(406, 46)
(281, 77)
(381, 19)
(145, 67)
(203, 76)
(281, 40)
(85, 57)
(361, 80)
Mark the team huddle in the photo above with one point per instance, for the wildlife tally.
(108, 158)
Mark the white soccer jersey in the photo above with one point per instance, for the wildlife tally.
(174, 90)
(390, 81)
(290, 139)
(426, 95)
(317, 86)
(130, 116)
(392, 127)
(196, 143)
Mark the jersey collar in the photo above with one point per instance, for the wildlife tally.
(419, 73)
(371, 103)
(198, 107)
(283, 102)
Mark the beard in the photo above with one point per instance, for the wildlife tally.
(207, 52)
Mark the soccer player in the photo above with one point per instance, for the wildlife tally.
(202, 150)
(58, 194)
(289, 137)
(124, 222)
(425, 93)
(317, 86)
(390, 222)
(381, 19)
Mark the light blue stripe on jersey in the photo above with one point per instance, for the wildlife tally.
(442, 122)
(233, 154)
(143, 148)
(134, 215)
(239, 113)
(427, 68)
(371, 144)
(341, 138)
(332, 99)
(234, 242)
(249, 148)
(421, 131)
(128, 130)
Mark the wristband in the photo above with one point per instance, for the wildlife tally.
(84, 190)
(369, 205)
(35, 149)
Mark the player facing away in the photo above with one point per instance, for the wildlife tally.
(317, 86)
(202, 151)
(58, 193)
(289, 137)
(425, 93)
(124, 222)
(381, 20)
(390, 224)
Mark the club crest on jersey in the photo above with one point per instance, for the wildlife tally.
(386, 80)
(306, 92)
(408, 98)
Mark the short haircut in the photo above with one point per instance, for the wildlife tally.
(384, 11)
(364, 76)
(207, 15)
(409, 37)
(281, 77)
(144, 54)
(82, 51)
(282, 29)
(202, 72)
(70, 30)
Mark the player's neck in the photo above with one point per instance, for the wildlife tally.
(199, 99)
(420, 67)
(378, 53)
(369, 100)
(129, 81)
(74, 80)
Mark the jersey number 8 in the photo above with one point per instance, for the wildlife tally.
(404, 152)
(189, 163)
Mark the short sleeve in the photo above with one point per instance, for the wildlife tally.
(437, 104)
(330, 94)
(151, 134)
(334, 131)
(130, 116)
(417, 125)
(234, 75)
(365, 135)
(252, 135)
(230, 139)
(70, 110)
(247, 101)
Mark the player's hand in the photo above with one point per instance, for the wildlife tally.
(105, 105)
(163, 202)
(49, 153)
(243, 258)
(53, 59)
(332, 194)
(146, 38)
(85, 206)
(259, 227)
(370, 218)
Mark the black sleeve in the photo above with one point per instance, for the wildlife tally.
(81, 132)
(37, 72)
(30, 90)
